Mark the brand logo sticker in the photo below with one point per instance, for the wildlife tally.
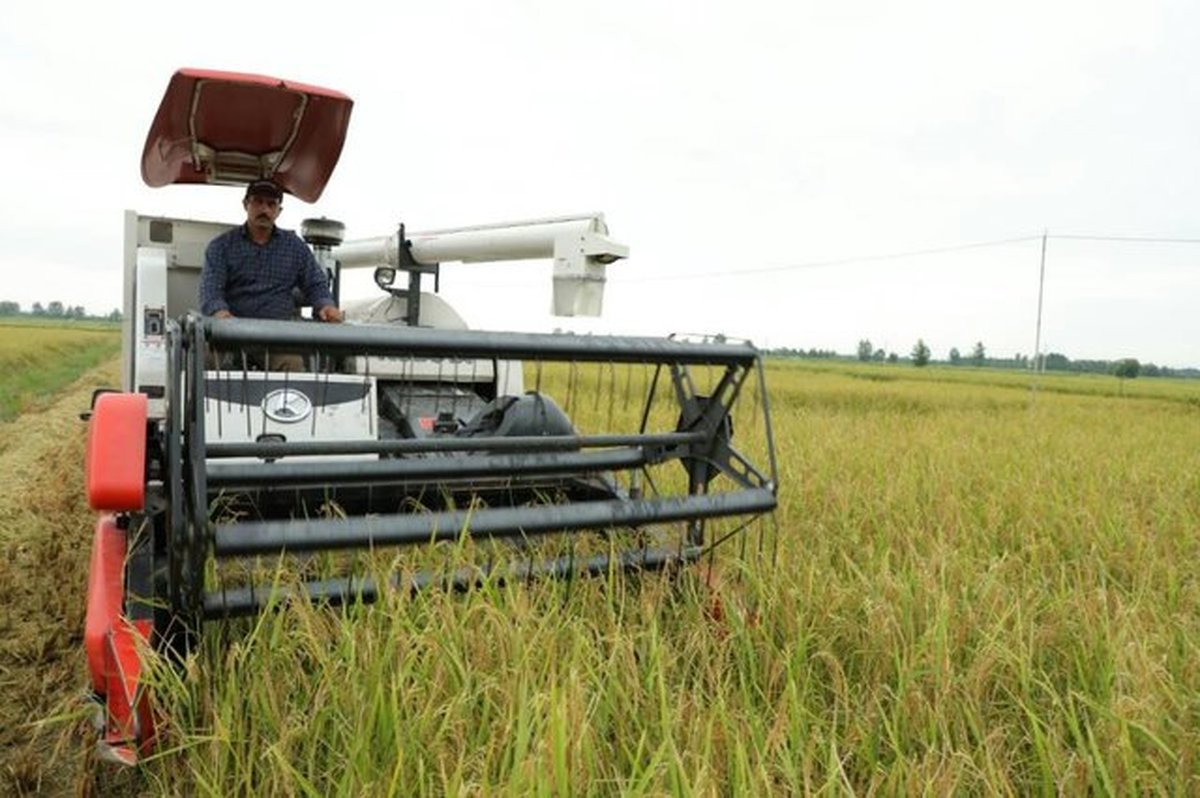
(287, 406)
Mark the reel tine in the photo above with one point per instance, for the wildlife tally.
(628, 383)
(572, 387)
(596, 393)
(245, 391)
(612, 395)
(438, 387)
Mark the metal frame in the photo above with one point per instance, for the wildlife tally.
(193, 471)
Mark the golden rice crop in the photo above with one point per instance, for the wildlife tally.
(978, 588)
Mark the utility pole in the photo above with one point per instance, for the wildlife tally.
(1039, 363)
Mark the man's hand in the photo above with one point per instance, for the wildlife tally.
(329, 313)
(222, 314)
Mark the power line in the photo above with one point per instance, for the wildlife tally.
(816, 264)
(1129, 239)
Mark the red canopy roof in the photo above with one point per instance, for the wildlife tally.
(233, 127)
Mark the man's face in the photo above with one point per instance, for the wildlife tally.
(261, 212)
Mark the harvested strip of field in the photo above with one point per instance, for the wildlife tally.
(45, 538)
(36, 360)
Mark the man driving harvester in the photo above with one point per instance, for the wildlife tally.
(253, 269)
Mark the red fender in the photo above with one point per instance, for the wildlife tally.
(115, 469)
(114, 645)
(106, 590)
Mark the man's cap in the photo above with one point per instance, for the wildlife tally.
(264, 188)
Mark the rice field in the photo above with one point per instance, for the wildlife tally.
(970, 587)
(38, 359)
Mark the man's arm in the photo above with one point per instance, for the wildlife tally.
(212, 281)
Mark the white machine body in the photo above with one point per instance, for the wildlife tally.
(164, 257)
(287, 407)
(436, 313)
(579, 245)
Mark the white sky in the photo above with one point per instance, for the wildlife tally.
(716, 137)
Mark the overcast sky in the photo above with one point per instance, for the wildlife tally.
(754, 156)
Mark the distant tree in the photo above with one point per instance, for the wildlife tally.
(1149, 370)
(1056, 362)
(55, 308)
(77, 312)
(893, 357)
(955, 356)
(38, 310)
(1127, 368)
(864, 350)
(920, 353)
(114, 315)
(879, 355)
(8, 308)
(978, 354)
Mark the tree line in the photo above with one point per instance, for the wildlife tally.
(54, 310)
(922, 355)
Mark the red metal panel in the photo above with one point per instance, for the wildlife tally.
(105, 593)
(129, 723)
(116, 452)
(241, 113)
(114, 647)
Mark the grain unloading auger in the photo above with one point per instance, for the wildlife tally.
(523, 455)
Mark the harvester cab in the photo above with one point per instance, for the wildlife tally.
(404, 429)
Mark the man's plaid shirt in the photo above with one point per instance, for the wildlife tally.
(256, 280)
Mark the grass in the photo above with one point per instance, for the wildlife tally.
(38, 359)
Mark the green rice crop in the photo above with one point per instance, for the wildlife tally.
(37, 359)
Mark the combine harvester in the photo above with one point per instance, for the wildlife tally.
(406, 428)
